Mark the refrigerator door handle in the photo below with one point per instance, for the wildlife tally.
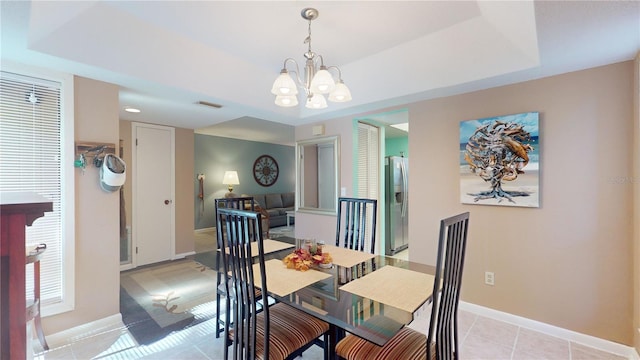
(403, 176)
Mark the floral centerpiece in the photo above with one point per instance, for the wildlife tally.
(304, 257)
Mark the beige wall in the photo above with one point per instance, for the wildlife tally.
(568, 263)
(185, 183)
(125, 138)
(97, 224)
(636, 217)
(97, 227)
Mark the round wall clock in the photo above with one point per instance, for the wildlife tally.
(265, 170)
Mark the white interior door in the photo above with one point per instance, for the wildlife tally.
(153, 193)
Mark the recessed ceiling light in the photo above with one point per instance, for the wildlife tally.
(131, 110)
(403, 126)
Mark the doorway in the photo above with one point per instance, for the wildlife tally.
(153, 160)
(394, 142)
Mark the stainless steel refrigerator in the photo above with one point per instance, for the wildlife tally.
(397, 204)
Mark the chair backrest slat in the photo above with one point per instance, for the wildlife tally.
(238, 203)
(237, 229)
(443, 325)
(356, 224)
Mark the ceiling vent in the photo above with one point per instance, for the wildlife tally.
(206, 103)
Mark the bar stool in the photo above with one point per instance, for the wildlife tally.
(33, 305)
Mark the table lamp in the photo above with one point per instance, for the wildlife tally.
(230, 178)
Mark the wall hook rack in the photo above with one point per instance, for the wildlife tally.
(93, 151)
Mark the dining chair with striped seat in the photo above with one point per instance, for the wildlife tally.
(409, 344)
(277, 332)
(241, 203)
(356, 224)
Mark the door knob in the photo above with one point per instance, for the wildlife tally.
(167, 202)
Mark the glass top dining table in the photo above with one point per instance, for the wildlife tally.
(345, 311)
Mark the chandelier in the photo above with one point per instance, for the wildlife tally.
(317, 79)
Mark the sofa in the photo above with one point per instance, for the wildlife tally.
(276, 205)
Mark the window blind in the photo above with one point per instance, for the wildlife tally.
(30, 161)
(368, 165)
(368, 161)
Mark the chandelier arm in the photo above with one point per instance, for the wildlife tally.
(337, 68)
(315, 60)
(297, 71)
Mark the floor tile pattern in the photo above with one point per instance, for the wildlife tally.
(481, 338)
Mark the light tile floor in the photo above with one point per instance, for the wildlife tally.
(481, 338)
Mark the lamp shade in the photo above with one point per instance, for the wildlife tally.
(284, 85)
(341, 93)
(286, 101)
(317, 101)
(230, 178)
(322, 82)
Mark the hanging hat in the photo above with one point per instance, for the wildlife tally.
(112, 173)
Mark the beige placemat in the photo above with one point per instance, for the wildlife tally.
(401, 288)
(346, 257)
(270, 246)
(282, 281)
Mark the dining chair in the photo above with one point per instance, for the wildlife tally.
(443, 325)
(278, 331)
(241, 203)
(356, 224)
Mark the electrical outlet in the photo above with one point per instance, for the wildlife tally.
(489, 278)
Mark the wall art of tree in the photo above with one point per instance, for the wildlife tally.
(498, 152)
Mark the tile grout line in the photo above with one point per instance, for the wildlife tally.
(515, 342)
(475, 319)
(570, 352)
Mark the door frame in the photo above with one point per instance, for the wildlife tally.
(134, 188)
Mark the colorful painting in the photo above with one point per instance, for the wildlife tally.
(500, 161)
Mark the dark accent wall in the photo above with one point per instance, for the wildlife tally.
(214, 155)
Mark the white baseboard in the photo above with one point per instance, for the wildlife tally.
(65, 337)
(205, 230)
(183, 255)
(569, 335)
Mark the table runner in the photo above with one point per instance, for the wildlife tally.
(401, 288)
(282, 281)
(346, 257)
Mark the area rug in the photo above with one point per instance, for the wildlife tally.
(207, 258)
(157, 300)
